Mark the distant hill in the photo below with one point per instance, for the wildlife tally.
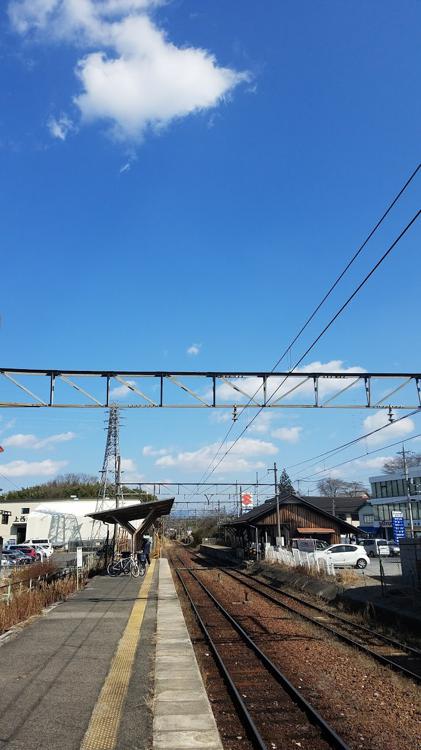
(81, 485)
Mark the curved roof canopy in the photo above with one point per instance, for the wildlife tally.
(146, 512)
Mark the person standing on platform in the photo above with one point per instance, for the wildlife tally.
(146, 549)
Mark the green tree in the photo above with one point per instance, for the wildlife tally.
(285, 486)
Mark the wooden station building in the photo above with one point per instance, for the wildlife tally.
(298, 518)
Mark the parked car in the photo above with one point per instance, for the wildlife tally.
(41, 552)
(345, 554)
(26, 549)
(308, 544)
(42, 542)
(394, 548)
(6, 561)
(376, 547)
(18, 557)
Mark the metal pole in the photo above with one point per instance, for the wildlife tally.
(408, 490)
(241, 496)
(278, 518)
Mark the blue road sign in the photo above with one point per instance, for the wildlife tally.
(398, 525)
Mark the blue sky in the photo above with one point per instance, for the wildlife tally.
(182, 173)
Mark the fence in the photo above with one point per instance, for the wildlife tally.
(295, 557)
(9, 589)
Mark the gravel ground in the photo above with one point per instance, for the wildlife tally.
(280, 722)
(370, 706)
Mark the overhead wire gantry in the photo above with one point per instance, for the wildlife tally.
(206, 390)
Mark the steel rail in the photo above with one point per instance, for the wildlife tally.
(247, 720)
(334, 616)
(342, 636)
(326, 731)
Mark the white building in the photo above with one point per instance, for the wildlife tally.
(389, 493)
(62, 521)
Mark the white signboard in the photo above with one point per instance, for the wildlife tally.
(79, 557)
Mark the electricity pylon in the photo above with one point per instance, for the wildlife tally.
(110, 494)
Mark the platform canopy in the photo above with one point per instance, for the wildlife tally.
(147, 513)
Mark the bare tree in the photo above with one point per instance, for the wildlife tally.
(332, 487)
(395, 465)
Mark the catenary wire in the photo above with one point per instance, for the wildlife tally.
(343, 446)
(315, 341)
(320, 304)
(356, 458)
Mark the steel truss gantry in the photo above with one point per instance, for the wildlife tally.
(209, 390)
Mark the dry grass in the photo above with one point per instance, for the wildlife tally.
(348, 578)
(28, 602)
(38, 569)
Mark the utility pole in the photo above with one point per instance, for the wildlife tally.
(278, 518)
(408, 489)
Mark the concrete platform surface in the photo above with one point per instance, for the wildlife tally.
(112, 668)
(183, 718)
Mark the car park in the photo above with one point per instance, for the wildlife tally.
(42, 542)
(345, 555)
(26, 549)
(18, 557)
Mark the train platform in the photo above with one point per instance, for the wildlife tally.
(112, 668)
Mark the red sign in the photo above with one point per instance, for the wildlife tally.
(247, 500)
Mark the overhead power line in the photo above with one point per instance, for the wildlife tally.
(339, 448)
(325, 329)
(356, 458)
(321, 303)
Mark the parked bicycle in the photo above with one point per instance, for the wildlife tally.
(141, 561)
(124, 566)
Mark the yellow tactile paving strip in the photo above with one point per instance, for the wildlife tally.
(105, 720)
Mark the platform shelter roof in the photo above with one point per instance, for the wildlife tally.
(148, 513)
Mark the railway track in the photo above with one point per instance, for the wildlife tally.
(273, 712)
(388, 651)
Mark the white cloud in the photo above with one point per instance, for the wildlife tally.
(149, 450)
(130, 471)
(61, 127)
(243, 456)
(127, 464)
(263, 421)
(126, 167)
(46, 468)
(135, 79)
(371, 464)
(21, 440)
(121, 391)
(194, 349)
(393, 432)
(289, 434)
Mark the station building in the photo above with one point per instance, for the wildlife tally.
(298, 518)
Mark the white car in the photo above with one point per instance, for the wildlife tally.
(346, 554)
